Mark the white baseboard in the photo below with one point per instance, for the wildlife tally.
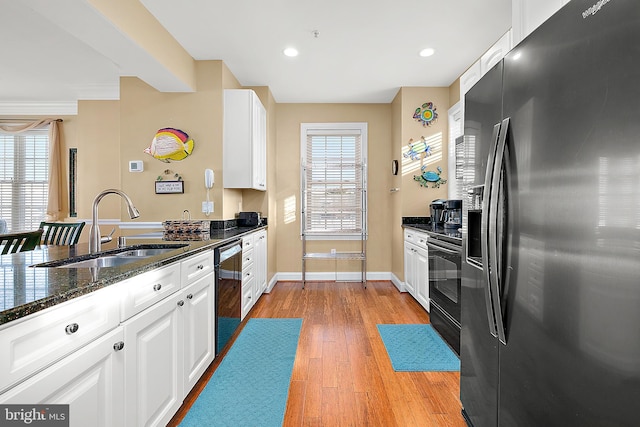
(341, 276)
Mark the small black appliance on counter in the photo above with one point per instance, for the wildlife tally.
(248, 219)
(436, 209)
(452, 214)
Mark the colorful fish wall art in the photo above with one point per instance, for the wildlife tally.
(170, 144)
(417, 149)
(426, 114)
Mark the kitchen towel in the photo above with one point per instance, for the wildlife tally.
(415, 348)
(251, 385)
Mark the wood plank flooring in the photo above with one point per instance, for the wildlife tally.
(342, 375)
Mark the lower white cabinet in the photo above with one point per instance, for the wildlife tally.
(154, 363)
(260, 261)
(199, 323)
(409, 268)
(90, 380)
(416, 267)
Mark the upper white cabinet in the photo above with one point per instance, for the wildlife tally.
(528, 15)
(490, 58)
(245, 140)
(469, 78)
(495, 53)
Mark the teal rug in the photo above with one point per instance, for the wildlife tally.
(415, 348)
(251, 385)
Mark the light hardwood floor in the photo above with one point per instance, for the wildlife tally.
(342, 375)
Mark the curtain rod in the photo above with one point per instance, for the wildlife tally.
(27, 120)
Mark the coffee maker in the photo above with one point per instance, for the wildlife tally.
(436, 209)
(452, 216)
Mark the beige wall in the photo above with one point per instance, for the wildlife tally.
(397, 237)
(454, 93)
(412, 199)
(144, 110)
(289, 247)
(416, 199)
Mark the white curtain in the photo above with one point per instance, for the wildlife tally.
(56, 179)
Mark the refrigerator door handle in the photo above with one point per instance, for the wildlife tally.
(484, 228)
(494, 239)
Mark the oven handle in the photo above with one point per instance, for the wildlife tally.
(443, 249)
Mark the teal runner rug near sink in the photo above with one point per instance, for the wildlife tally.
(416, 348)
(251, 385)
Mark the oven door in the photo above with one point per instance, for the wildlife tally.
(445, 276)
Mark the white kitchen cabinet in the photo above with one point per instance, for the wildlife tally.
(409, 268)
(495, 53)
(199, 336)
(469, 78)
(416, 266)
(154, 363)
(37, 341)
(144, 290)
(527, 15)
(260, 261)
(90, 381)
(249, 294)
(244, 150)
(422, 277)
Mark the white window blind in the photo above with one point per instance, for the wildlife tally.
(24, 175)
(334, 180)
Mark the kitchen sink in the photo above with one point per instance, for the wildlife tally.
(113, 258)
(103, 261)
(145, 252)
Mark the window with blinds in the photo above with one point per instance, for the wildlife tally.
(24, 175)
(333, 180)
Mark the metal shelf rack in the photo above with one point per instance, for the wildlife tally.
(360, 255)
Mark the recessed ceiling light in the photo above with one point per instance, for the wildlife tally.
(290, 51)
(427, 52)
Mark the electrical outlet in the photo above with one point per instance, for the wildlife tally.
(207, 207)
(333, 251)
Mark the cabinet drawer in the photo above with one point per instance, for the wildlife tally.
(196, 266)
(44, 337)
(146, 289)
(247, 242)
(247, 259)
(416, 237)
(247, 296)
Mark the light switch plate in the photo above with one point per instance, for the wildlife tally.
(136, 166)
(207, 207)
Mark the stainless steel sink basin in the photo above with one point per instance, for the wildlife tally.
(104, 261)
(113, 258)
(145, 252)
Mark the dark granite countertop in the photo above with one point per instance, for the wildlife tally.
(27, 289)
(452, 235)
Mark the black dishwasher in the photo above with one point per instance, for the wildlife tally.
(228, 267)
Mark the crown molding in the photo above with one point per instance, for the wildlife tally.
(38, 108)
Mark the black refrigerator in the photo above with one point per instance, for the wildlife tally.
(551, 226)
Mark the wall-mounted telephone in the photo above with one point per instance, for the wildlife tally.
(207, 207)
(208, 178)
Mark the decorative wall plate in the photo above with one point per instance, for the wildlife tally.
(432, 177)
(426, 114)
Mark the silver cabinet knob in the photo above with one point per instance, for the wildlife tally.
(180, 303)
(200, 267)
(157, 287)
(71, 328)
(118, 346)
(189, 296)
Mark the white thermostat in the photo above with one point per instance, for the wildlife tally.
(136, 166)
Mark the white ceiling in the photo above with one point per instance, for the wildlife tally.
(365, 51)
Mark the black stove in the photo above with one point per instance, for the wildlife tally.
(445, 279)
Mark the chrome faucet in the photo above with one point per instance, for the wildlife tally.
(95, 239)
